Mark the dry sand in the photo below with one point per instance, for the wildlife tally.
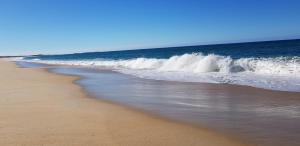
(41, 108)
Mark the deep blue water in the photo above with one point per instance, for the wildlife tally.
(271, 65)
(286, 48)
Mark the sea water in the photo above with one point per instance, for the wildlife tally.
(169, 82)
(271, 65)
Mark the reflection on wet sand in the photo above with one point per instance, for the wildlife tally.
(261, 116)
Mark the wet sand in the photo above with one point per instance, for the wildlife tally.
(41, 108)
(263, 117)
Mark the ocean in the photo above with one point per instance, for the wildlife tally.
(199, 85)
(271, 65)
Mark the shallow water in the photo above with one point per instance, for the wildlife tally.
(262, 117)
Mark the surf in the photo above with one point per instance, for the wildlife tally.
(276, 73)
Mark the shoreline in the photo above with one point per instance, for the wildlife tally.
(262, 105)
(227, 134)
(172, 81)
(134, 123)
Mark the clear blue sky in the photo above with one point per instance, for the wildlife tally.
(65, 26)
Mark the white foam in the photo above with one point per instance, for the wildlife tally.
(14, 58)
(280, 73)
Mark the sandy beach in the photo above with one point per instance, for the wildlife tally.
(41, 108)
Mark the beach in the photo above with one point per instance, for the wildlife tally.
(262, 117)
(42, 108)
(149, 73)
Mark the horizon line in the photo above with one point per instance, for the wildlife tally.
(166, 47)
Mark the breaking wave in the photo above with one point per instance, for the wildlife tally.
(196, 67)
(197, 63)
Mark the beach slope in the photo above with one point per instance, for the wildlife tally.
(42, 108)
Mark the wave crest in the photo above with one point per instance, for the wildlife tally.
(279, 73)
(197, 63)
